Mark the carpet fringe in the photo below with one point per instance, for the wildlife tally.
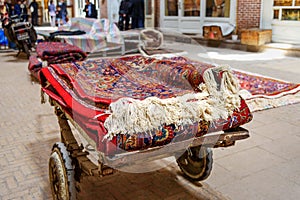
(217, 100)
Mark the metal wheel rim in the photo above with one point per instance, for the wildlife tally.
(58, 177)
(198, 165)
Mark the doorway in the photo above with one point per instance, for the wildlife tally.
(182, 15)
(149, 13)
(189, 16)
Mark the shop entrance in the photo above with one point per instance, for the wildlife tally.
(189, 16)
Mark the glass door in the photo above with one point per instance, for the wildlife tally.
(171, 8)
(149, 13)
(189, 14)
(190, 8)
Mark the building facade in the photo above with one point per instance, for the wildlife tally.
(189, 16)
(283, 17)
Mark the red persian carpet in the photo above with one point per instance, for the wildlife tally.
(88, 90)
(262, 92)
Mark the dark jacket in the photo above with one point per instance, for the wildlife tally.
(63, 7)
(93, 11)
(18, 9)
(35, 7)
(138, 9)
(125, 7)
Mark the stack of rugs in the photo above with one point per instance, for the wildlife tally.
(136, 102)
(54, 53)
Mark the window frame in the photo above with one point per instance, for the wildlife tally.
(282, 9)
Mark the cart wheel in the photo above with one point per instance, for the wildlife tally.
(196, 163)
(61, 173)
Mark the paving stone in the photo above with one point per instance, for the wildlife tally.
(277, 130)
(289, 170)
(254, 140)
(262, 185)
(260, 164)
(253, 161)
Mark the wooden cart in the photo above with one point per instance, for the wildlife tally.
(73, 157)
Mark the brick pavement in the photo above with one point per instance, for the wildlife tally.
(265, 166)
(28, 130)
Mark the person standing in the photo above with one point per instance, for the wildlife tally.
(18, 8)
(64, 12)
(12, 11)
(5, 9)
(33, 6)
(24, 12)
(124, 14)
(52, 13)
(138, 14)
(90, 10)
(58, 16)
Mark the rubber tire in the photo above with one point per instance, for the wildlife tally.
(26, 49)
(198, 166)
(61, 173)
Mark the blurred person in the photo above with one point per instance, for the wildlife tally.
(124, 14)
(12, 11)
(24, 11)
(33, 6)
(64, 12)
(58, 16)
(4, 9)
(52, 13)
(90, 10)
(138, 14)
(18, 8)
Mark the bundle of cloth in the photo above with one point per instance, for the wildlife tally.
(136, 102)
(54, 53)
(89, 34)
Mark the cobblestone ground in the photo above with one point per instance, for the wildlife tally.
(28, 130)
(265, 166)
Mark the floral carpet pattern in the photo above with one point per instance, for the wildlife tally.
(261, 92)
(85, 89)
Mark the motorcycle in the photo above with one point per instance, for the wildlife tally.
(20, 32)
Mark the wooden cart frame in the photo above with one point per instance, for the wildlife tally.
(70, 159)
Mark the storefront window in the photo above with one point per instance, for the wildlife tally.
(283, 2)
(286, 10)
(291, 14)
(191, 8)
(171, 8)
(217, 8)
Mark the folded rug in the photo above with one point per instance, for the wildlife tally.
(53, 53)
(137, 102)
(58, 52)
(261, 92)
(34, 66)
